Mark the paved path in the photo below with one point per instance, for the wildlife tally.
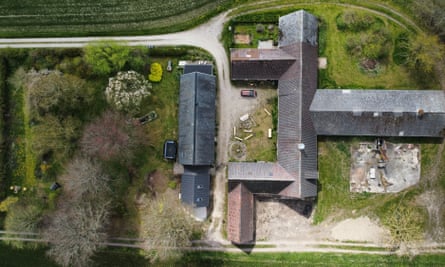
(205, 36)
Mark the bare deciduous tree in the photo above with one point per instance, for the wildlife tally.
(83, 178)
(77, 228)
(110, 137)
(76, 232)
(167, 226)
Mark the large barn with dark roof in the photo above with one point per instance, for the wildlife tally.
(305, 112)
(197, 119)
(294, 65)
(196, 142)
(408, 113)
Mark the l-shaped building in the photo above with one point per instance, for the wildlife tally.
(305, 112)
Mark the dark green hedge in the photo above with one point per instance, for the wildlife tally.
(3, 116)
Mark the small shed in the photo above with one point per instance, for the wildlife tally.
(195, 190)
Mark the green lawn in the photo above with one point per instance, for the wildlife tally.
(103, 17)
(392, 8)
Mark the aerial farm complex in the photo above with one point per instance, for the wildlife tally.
(304, 112)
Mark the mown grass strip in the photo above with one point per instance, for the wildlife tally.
(132, 257)
(355, 247)
(393, 10)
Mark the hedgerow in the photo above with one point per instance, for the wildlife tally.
(3, 95)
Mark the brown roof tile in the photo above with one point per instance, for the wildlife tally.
(240, 224)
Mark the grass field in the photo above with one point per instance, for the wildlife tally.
(111, 257)
(103, 17)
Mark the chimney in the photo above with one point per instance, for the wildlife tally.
(420, 113)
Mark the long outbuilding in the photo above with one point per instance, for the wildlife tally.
(196, 142)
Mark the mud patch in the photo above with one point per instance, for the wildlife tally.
(282, 219)
(361, 229)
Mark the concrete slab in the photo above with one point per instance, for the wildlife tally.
(265, 44)
(391, 169)
(322, 62)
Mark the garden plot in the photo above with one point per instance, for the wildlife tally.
(242, 39)
(250, 35)
(384, 169)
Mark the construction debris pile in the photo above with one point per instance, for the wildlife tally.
(383, 167)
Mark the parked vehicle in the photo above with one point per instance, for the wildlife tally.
(170, 149)
(248, 93)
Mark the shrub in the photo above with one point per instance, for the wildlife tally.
(375, 45)
(354, 21)
(58, 94)
(106, 57)
(3, 107)
(400, 54)
(5, 204)
(126, 91)
(23, 217)
(155, 72)
(55, 136)
(405, 224)
(260, 28)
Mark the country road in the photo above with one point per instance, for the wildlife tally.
(229, 104)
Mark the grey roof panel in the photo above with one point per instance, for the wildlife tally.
(259, 64)
(258, 171)
(379, 113)
(195, 189)
(379, 100)
(253, 54)
(197, 116)
(298, 27)
(203, 68)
